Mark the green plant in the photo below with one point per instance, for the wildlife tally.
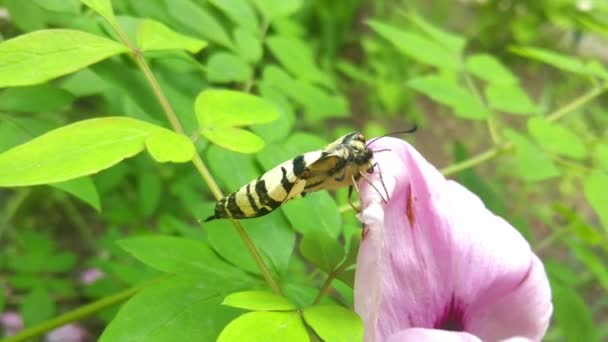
(177, 75)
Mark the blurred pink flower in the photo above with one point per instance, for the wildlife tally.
(67, 333)
(11, 323)
(90, 275)
(436, 265)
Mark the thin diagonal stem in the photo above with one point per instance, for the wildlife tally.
(197, 161)
(497, 150)
(79, 313)
(327, 284)
(491, 121)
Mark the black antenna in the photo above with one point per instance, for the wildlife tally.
(409, 130)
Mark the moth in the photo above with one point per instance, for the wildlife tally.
(339, 164)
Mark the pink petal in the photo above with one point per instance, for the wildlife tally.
(430, 335)
(68, 333)
(11, 323)
(91, 275)
(435, 257)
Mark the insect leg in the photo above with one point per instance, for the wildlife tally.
(373, 186)
(381, 180)
(350, 193)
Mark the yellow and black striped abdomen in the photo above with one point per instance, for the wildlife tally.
(267, 192)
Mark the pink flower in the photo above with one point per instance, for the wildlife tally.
(68, 333)
(91, 275)
(11, 323)
(436, 265)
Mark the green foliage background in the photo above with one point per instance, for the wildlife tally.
(508, 96)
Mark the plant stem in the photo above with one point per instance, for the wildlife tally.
(327, 283)
(197, 161)
(549, 240)
(79, 313)
(324, 288)
(576, 103)
(476, 160)
(158, 92)
(572, 165)
(217, 193)
(491, 120)
(496, 150)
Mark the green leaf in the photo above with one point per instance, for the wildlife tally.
(557, 138)
(84, 83)
(82, 188)
(218, 111)
(334, 323)
(229, 108)
(51, 53)
(449, 40)
(225, 67)
(182, 257)
(153, 35)
(73, 151)
(149, 191)
(594, 263)
(199, 20)
(249, 46)
(353, 249)
(273, 9)
(271, 235)
(509, 98)
(258, 301)
(2, 296)
(26, 15)
(322, 250)
(449, 93)
(61, 262)
(320, 206)
(130, 85)
(234, 139)
(560, 273)
(40, 98)
(265, 326)
(490, 69)
(37, 307)
(318, 103)
(280, 129)
(595, 186)
(417, 47)
(295, 55)
(167, 146)
(18, 129)
(102, 7)
(532, 163)
(573, 317)
(222, 162)
(64, 6)
(185, 309)
(563, 62)
(240, 12)
(471, 180)
(600, 155)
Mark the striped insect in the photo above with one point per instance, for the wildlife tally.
(339, 164)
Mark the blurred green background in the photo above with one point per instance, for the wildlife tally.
(508, 97)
